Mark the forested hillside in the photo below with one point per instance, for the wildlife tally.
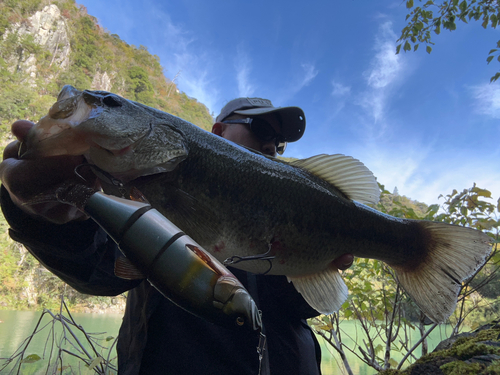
(45, 45)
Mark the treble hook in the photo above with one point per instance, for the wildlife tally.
(237, 259)
(77, 168)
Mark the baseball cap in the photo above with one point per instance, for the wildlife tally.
(293, 120)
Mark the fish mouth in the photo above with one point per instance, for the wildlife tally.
(115, 134)
(63, 130)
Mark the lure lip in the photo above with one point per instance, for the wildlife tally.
(234, 300)
(243, 304)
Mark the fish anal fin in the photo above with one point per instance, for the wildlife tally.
(347, 174)
(324, 291)
(455, 254)
(124, 269)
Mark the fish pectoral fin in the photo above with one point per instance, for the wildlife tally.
(324, 291)
(455, 253)
(345, 173)
(124, 269)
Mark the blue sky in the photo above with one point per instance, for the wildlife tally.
(426, 124)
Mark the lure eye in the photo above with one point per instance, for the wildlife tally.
(111, 102)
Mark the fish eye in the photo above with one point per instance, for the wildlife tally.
(111, 102)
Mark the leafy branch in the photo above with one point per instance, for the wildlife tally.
(423, 21)
(385, 316)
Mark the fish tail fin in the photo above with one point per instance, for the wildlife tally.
(454, 254)
(324, 291)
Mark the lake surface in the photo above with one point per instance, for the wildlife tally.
(16, 326)
(332, 363)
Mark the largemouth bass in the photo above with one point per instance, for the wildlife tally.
(261, 213)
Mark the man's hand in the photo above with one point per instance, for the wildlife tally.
(27, 179)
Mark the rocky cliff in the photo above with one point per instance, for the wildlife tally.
(44, 46)
(49, 30)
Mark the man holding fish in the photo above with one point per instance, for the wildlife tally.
(157, 336)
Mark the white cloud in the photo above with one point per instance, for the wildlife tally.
(420, 175)
(385, 71)
(310, 73)
(444, 176)
(394, 166)
(243, 68)
(340, 89)
(386, 65)
(195, 80)
(340, 94)
(487, 100)
(180, 51)
(382, 78)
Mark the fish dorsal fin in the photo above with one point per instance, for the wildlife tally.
(347, 174)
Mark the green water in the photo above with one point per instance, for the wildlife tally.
(16, 326)
(332, 363)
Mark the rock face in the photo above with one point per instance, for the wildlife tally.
(101, 81)
(472, 353)
(49, 30)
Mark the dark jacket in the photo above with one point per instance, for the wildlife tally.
(158, 337)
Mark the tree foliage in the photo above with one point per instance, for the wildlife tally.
(134, 72)
(139, 86)
(433, 16)
(383, 311)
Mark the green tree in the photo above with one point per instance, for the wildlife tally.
(433, 16)
(139, 85)
(383, 311)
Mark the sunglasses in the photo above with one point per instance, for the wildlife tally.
(262, 130)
